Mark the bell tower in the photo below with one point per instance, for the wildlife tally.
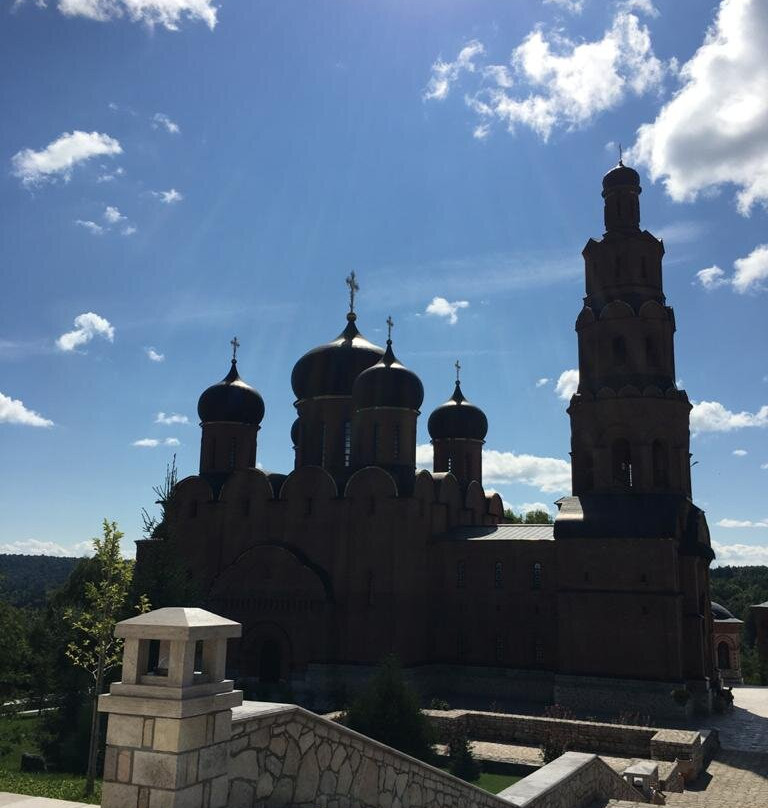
(629, 422)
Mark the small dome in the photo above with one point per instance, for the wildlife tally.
(457, 418)
(331, 370)
(231, 400)
(620, 175)
(388, 384)
(296, 431)
(720, 612)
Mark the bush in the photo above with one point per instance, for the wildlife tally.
(552, 748)
(388, 711)
(461, 763)
(439, 704)
(681, 696)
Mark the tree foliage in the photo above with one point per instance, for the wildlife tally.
(388, 710)
(535, 517)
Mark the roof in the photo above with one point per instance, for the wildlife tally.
(722, 615)
(178, 623)
(500, 533)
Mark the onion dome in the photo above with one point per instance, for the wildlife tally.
(331, 370)
(296, 431)
(620, 175)
(458, 418)
(231, 400)
(720, 612)
(388, 384)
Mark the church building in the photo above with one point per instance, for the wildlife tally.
(355, 554)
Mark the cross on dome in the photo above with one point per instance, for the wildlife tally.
(351, 282)
(390, 326)
(235, 345)
(457, 365)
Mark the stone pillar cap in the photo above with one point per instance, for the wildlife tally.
(178, 623)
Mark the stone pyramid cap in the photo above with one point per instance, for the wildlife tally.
(178, 623)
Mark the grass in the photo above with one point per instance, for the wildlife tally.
(494, 783)
(18, 734)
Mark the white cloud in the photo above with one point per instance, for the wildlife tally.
(739, 452)
(739, 523)
(60, 156)
(643, 6)
(548, 474)
(91, 227)
(712, 416)
(153, 355)
(36, 547)
(764, 466)
(440, 307)
(740, 554)
(567, 384)
(571, 6)
(113, 215)
(167, 13)
(152, 443)
(13, 411)
(171, 418)
(169, 197)
(712, 131)
(681, 232)
(562, 83)
(481, 131)
(752, 272)
(87, 326)
(711, 278)
(499, 74)
(446, 73)
(160, 119)
(542, 381)
(108, 176)
(524, 507)
(128, 230)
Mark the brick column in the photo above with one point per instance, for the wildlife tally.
(170, 718)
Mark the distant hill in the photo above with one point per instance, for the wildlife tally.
(738, 588)
(26, 579)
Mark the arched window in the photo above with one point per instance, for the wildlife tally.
(193, 509)
(660, 465)
(723, 656)
(537, 575)
(322, 446)
(461, 574)
(212, 453)
(232, 452)
(622, 463)
(396, 442)
(467, 466)
(619, 347)
(347, 443)
(498, 575)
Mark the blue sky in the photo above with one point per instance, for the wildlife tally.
(175, 173)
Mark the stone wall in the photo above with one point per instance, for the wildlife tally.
(574, 780)
(282, 755)
(587, 736)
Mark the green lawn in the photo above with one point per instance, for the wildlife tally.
(19, 734)
(492, 782)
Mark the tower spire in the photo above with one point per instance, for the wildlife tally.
(235, 345)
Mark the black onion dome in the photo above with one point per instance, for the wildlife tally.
(296, 431)
(331, 370)
(388, 384)
(720, 612)
(231, 400)
(620, 175)
(457, 418)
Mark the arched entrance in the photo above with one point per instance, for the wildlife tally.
(270, 661)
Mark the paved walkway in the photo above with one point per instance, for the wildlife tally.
(24, 801)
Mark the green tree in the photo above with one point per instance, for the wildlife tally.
(511, 517)
(95, 649)
(538, 517)
(388, 711)
(461, 762)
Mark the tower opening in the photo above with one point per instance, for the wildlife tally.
(622, 463)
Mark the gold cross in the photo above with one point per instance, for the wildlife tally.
(458, 368)
(390, 325)
(353, 287)
(235, 345)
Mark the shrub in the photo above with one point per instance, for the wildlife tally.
(388, 711)
(552, 748)
(461, 762)
(681, 696)
(439, 704)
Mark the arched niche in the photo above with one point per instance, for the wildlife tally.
(448, 493)
(190, 495)
(246, 483)
(371, 481)
(652, 310)
(495, 506)
(617, 310)
(586, 317)
(474, 501)
(629, 391)
(309, 481)
(424, 491)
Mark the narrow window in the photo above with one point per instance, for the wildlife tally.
(622, 463)
(322, 446)
(232, 452)
(723, 656)
(396, 442)
(538, 652)
(617, 266)
(308, 506)
(347, 443)
(660, 465)
(467, 466)
(498, 575)
(193, 509)
(619, 350)
(651, 354)
(499, 649)
(212, 453)
(461, 574)
(643, 268)
(537, 572)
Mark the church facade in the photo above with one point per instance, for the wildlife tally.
(355, 554)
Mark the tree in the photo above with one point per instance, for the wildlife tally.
(538, 517)
(95, 647)
(388, 711)
(461, 762)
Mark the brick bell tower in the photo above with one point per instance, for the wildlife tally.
(629, 422)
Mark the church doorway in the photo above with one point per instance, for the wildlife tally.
(270, 662)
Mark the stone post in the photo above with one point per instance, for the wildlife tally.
(170, 718)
